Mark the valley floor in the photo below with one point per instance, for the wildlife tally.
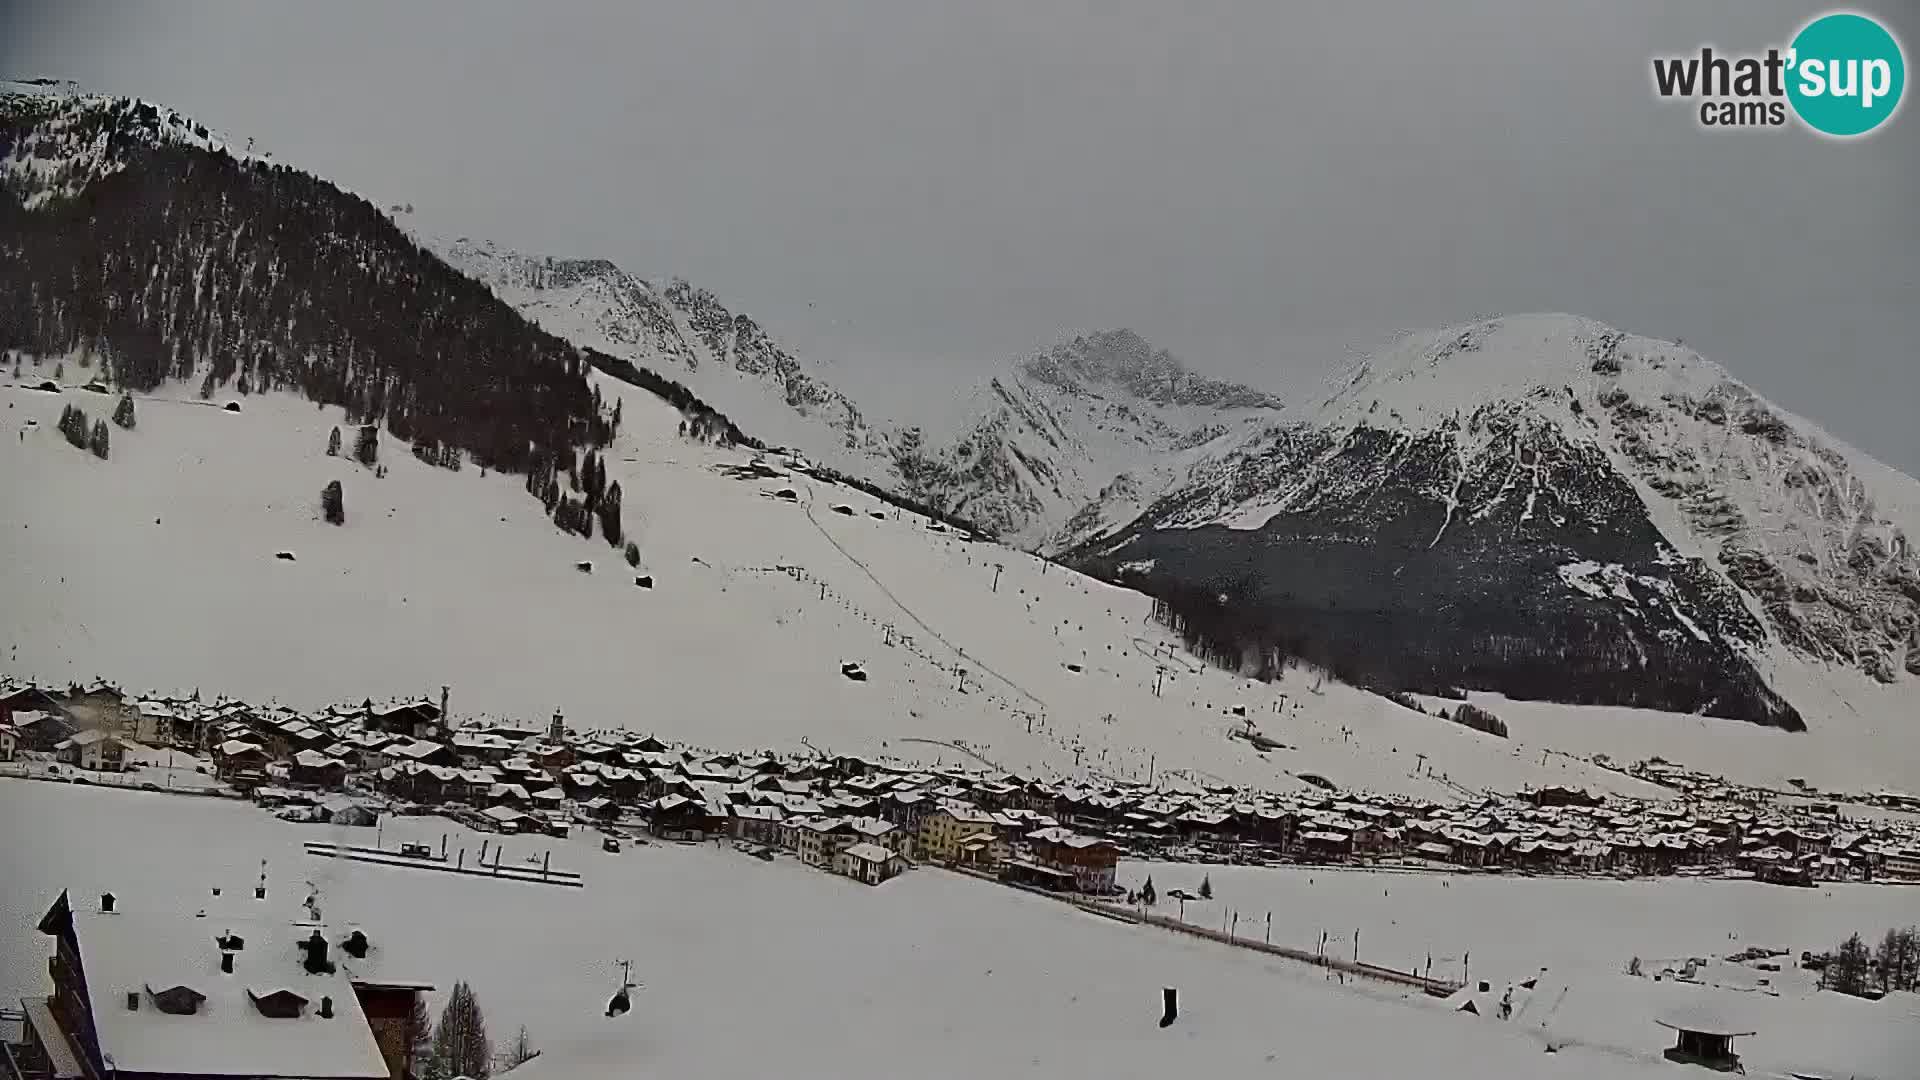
(751, 968)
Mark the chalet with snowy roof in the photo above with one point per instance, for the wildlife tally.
(24, 699)
(414, 719)
(757, 823)
(1090, 860)
(868, 862)
(679, 817)
(237, 756)
(161, 997)
(880, 831)
(311, 768)
(40, 730)
(818, 840)
(982, 851)
(94, 749)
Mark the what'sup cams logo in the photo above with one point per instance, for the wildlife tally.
(1842, 76)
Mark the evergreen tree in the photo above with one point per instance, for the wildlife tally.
(419, 1036)
(1888, 957)
(1206, 887)
(633, 553)
(206, 387)
(333, 442)
(1847, 971)
(590, 482)
(333, 504)
(73, 425)
(1899, 959)
(1148, 895)
(123, 412)
(98, 443)
(610, 515)
(366, 446)
(59, 371)
(460, 1043)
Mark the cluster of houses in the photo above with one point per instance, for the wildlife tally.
(871, 818)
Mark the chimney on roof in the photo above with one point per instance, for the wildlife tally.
(444, 721)
(326, 1008)
(133, 1001)
(316, 962)
(226, 963)
(356, 945)
(106, 901)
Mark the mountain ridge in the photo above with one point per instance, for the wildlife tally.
(1615, 480)
(1038, 439)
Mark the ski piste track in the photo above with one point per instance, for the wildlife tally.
(897, 602)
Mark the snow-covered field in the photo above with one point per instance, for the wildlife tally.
(754, 968)
(1577, 936)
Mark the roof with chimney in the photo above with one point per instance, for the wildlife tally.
(136, 962)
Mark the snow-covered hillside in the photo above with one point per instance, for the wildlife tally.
(85, 136)
(1553, 462)
(158, 568)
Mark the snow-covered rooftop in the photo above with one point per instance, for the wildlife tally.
(124, 954)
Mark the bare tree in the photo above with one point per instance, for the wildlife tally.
(520, 1051)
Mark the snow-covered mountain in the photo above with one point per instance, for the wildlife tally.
(1100, 416)
(1019, 454)
(685, 333)
(1552, 507)
(1538, 505)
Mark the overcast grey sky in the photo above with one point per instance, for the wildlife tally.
(902, 186)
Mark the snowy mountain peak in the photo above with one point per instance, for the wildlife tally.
(1455, 370)
(1122, 360)
(1521, 460)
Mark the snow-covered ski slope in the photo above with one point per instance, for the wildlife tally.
(758, 969)
(158, 569)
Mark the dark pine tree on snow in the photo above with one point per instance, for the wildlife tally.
(333, 442)
(366, 446)
(123, 412)
(98, 441)
(333, 504)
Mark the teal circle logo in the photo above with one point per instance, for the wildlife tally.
(1847, 74)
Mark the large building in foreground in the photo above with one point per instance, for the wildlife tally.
(141, 996)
